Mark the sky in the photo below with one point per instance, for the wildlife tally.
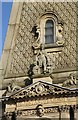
(5, 10)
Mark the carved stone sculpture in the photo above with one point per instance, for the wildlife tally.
(59, 32)
(40, 110)
(39, 89)
(13, 87)
(70, 81)
(42, 61)
(36, 34)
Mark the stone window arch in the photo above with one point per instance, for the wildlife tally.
(48, 23)
(49, 31)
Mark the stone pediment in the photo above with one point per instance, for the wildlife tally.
(41, 89)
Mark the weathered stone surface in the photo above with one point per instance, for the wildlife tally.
(22, 54)
(42, 99)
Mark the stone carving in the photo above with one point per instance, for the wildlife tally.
(26, 113)
(36, 33)
(51, 110)
(59, 32)
(5, 116)
(40, 110)
(22, 54)
(13, 87)
(41, 88)
(42, 61)
(63, 108)
(70, 81)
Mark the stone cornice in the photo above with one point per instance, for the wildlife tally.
(43, 89)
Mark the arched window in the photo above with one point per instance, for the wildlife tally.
(49, 32)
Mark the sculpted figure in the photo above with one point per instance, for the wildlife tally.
(42, 61)
(70, 81)
(13, 87)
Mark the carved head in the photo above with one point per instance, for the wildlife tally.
(40, 110)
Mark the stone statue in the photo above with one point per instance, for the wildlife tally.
(13, 87)
(42, 61)
(70, 81)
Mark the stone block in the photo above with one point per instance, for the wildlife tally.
(43, 79)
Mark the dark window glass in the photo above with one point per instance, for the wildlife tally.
(49, 32)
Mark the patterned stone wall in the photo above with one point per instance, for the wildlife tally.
(22, 54)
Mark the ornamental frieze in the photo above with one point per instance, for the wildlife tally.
(54, 101)
(40, 110)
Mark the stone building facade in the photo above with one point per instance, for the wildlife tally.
(40, 66)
